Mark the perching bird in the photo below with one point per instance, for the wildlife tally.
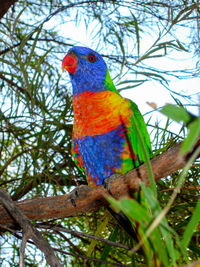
(105, 140)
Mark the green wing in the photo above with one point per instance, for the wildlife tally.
(135, 119)
(137, 124)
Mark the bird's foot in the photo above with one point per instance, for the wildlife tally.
(108, 181)
(74, 194)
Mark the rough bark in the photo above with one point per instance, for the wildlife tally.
(5, 5)
(91, 199)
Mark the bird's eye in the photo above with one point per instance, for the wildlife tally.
(91, 58)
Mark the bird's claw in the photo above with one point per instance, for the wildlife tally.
(108, 182)
(74, 194)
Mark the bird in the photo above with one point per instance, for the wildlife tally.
(104, 137)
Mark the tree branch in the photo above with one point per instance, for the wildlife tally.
(29, 231)
(5, 5)
(91, 199)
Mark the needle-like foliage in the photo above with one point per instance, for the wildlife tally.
(36, 120)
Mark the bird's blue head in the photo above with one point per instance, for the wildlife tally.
(86, 68)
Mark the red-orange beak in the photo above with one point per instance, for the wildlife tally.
(69, 63)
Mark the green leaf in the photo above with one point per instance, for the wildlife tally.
(137, 29)
(122, 49)
(98, 232)
(163, 226)
(16, 21)
(176, 113)
(131, 208)
(135, 211)
(108, 247)
(28, 59)
(195, 219)
(159, 245)
(193, 135)
(130, 86)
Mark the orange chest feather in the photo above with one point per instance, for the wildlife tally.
(99, 113)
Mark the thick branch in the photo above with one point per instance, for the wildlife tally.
(92, 199)
(5, 5)
(29, 231)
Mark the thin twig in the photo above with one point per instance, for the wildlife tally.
(89, 258)
(78, 234)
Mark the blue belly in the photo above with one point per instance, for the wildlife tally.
(102, 154)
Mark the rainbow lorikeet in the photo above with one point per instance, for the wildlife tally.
(104, 141)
